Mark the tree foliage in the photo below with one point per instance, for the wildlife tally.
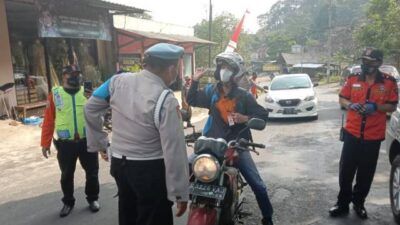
(222, 30)
(306, 22)
(382, 28)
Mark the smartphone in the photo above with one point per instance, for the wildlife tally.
(88, 86)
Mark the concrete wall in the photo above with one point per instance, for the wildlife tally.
(6, 70)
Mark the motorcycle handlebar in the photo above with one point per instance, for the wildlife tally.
(246, 143)
(256, 145)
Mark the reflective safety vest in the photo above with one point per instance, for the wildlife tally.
(70, 120)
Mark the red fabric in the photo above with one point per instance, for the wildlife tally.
(253, 89)
(355, 90)
(202, 216)
(235, 36)
(48, 123)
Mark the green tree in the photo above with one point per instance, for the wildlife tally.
(305, 22)
(382, 29)
(276, 42)
(222, 30)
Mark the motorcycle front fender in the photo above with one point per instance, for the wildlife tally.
(202, 216)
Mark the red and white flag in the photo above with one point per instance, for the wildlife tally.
(235, 37)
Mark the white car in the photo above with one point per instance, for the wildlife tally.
(393, 151)
(291, 95)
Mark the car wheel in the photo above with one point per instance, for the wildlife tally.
(395, 188)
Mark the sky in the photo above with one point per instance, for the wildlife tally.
(190, 12)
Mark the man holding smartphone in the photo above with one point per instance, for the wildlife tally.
(64, 114)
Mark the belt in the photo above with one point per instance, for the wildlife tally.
(118, 156)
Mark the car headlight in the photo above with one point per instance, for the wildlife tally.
(309, 98)
(269, 99)
(206, 168)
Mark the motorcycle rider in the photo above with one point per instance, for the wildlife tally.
(230, 107)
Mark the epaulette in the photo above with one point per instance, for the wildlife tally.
(389, 77)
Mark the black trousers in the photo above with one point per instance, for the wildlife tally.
(142, 192)
(359, 158)
(68, 152)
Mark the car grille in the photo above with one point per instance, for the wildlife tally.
(289, 102)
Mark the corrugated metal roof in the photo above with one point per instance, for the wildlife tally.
(106, 4)
(308, 65)
(292, 59)
(166, 37)
(119, 8)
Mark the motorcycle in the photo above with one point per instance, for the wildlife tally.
(216, 186)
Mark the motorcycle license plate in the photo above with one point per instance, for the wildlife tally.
(207, 190)
(289, 111)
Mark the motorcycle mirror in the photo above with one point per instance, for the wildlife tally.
(256, 124)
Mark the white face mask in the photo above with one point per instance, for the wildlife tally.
(225, 75)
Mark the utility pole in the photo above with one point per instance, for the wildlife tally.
(209, 35)
(328, 71)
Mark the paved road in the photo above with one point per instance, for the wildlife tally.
(300, 168)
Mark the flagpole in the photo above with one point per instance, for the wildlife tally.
(232, 44)
(209, 35)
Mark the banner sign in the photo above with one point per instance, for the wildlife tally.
(72, 19)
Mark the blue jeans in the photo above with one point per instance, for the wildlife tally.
(248, 169)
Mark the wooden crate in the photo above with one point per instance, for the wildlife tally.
(22, 96)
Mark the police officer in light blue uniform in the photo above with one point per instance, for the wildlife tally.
(148, 153)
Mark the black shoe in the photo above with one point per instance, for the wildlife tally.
(66, 210)
(94, 206)
(267, 221)
(338, 210)
(360, 211)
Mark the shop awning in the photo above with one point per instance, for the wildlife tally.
(136, 42)
(115, 7)
(140, 35)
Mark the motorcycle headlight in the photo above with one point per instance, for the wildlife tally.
(309, 98)
(269, 99)
(206, 168)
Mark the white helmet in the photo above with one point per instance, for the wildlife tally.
(233, 59)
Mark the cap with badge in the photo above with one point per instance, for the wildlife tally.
(372, 54)
(165, 51)
(71, 69)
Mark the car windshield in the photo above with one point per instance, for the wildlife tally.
(290, 82)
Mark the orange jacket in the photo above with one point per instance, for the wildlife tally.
(48, 123)
(357, 90)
